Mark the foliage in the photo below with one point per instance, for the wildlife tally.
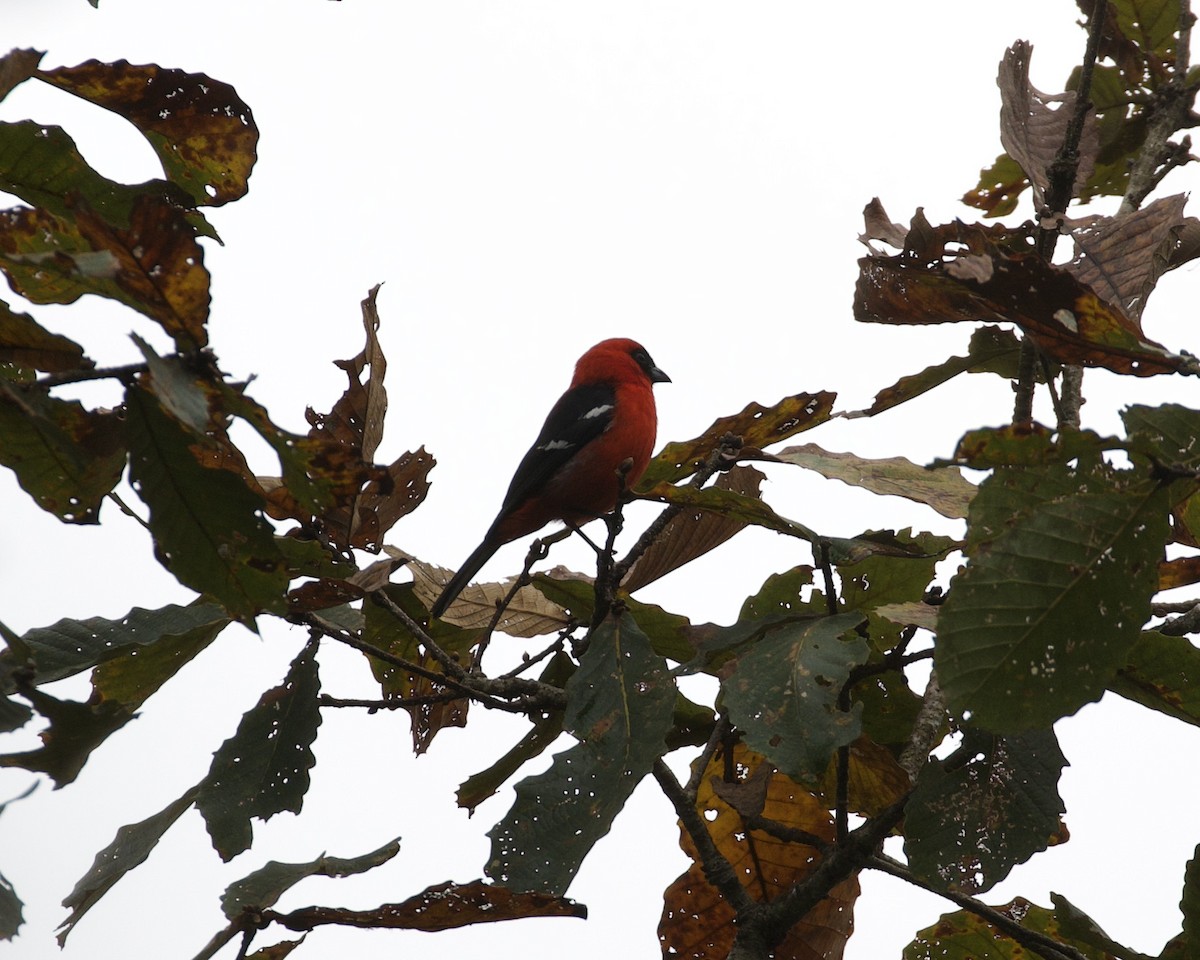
(1051, 605)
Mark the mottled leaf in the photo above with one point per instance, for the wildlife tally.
(620, 704)
(727, 503)
(960, 271)
(758, 426)
(16, 67)
(967, 824)
(263, 769)
(967, 936)
(202, 131)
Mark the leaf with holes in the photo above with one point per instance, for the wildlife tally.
(782, 693)
(619, 706)
(969, 823)
(1054, 595)
(263, 769)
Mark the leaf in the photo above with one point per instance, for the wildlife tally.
(1166, 433)
(1028, 445)
(727, 503)
(16, 67)
(26, 344)
(962, 935)
(619, 707)
(130, 847)
(202, 131)
(1162, 673)
(433, 708)
(874, 779)
(75, 730)
(153, 264)
(1184, 945)
(263, 888)
(694, 533)
(66, 457)
(444, 906)
(944, 489)
(68, 647)
(207, 525)
(963, 271)
(757, 425)
(697, 922)
(263, 769)
(11, 915)
(1022, 638)
(1080, 928)
(529, 614)
(783, 693)
(1033, 132)
(968, 824)
(999, 189)
(1122, 257)
(545, 730)
(991, 350)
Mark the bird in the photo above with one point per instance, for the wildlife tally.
(598, 436)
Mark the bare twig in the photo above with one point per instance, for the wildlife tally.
(927, 729)
(125, 374)
(1039, 943)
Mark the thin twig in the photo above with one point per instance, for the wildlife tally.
(125, 374)
(1030, 939)
(700, 764)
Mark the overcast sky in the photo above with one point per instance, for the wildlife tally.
(527, 179)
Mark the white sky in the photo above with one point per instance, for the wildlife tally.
(529, 178)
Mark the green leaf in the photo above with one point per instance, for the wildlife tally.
(967, 824)
(620, 703)
(130, 847)
(207, 525)
(263, 769)
(202, 131)
(1162, 673)
(154, 264)
(783, 693)
(66, 457)
(263, 888)
(75, 730)
(990, 350)
(546, 728)
(11, 915)
(1078, 927)
(1167, 433)
(68, 647)
(1048, 608)
(1020, 445)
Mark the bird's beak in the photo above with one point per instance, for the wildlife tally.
(657, 376)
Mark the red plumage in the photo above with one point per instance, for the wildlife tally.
(571, 473)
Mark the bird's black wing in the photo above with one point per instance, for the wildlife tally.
(581, 415)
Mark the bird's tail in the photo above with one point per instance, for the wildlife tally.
(470, 567)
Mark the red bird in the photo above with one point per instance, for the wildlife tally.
(571, 473)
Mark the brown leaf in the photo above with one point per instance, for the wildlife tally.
(359, 518)
(758, 426)
(944, 489)
(875, 781)
(529, 614)
(1065, 317)
(16, 67)
(1122, 257)
(1032, 131)
(202, 131)
(693, 533)
(1179, 572)
(444, 906)
(697, 922)
(879, 226)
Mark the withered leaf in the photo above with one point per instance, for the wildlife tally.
(202, 131)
